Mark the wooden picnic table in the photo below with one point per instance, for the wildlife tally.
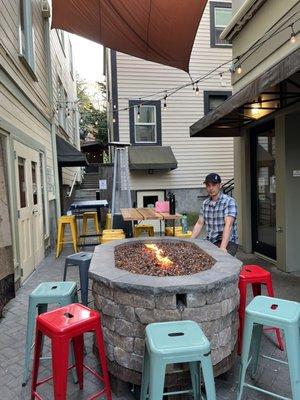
(141, 214)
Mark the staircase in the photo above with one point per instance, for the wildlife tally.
(91, 181)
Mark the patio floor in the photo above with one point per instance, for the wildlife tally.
(13, 329)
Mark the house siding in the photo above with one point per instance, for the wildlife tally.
(196, 156)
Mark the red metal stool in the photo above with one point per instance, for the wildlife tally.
(62, 325)
(256, 276)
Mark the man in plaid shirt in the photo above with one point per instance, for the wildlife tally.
(218, 214)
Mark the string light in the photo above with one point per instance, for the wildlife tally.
(114, 119)
(235, 66)
(139, 112)
(96, 122)
(293, 35)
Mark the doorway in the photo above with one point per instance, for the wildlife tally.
(263, 189)
(148, 199)
(29, 208)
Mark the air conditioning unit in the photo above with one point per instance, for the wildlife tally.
(46, 10)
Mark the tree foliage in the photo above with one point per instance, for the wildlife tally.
(93, 118)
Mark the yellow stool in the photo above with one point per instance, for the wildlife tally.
(61, 223)
(169, 230)
(108, 221)
(90, 215)
(183, 235)
(138, 229)
(108, 238)
(112, 232)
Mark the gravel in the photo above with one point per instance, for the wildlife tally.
(182, 258)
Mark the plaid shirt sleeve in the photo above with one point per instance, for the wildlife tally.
(230, 209)
(202, 210)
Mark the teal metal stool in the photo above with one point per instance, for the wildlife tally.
(282, 314)
(61, 293)
(176, 342)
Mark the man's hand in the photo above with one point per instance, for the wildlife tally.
(224, 249)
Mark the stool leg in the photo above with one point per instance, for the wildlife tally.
(84, 283)
(247, 335)
(242, 307)
(292, 341)
(277, 331)
(60, 353)
(74, 236)
(256, 342)
(36, 362)
(256, 289)
(157, 378)
(42, 308)
(65, 270)
(194, 370)
(78, 350)
(100, 344)
(29, 339)
(145, 375)
(208, 377)
(59, 239)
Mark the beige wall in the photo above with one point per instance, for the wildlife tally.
(196, 156)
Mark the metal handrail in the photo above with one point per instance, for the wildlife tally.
(73, 184)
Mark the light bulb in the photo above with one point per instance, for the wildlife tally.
(293, 38)
(114, 119)
(239, 70)
(197, 90)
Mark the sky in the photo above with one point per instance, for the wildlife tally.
(88, 59)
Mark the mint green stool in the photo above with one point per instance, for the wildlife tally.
(282, 314)
(61, 293)
(176, 342)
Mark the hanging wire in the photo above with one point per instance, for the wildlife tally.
(233, 68)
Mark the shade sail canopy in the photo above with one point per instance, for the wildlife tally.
(161, 31)
(151, 158)
(68, 155)
(263, 95)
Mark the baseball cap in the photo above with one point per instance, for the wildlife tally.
(212, 178)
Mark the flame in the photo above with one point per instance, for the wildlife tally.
(164, 261)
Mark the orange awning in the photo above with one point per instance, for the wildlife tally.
(162, 31)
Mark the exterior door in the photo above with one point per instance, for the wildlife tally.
(148, 199)
(264, 190)
(30, 208)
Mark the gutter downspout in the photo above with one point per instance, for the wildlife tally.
(52, 116)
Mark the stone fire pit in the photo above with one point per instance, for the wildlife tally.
(128, 302)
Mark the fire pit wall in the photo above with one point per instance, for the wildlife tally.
(128, 302)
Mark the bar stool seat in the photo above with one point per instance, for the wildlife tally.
(82, 260)
(182, 235)
(282, 314)
(63, 221)
(140, 228)
(176, 342)
(169, 230)
(255, 276)
(62, 326)
(60, 293)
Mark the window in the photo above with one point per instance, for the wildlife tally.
(61, 37)
(26, 36)
(145, 122)
(62, 102)
(212, 99)
(71, 59)
(220, 15)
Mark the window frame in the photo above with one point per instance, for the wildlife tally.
(208, 93)
(26, 37)
(213, 6)
(132, 121)
(62, 39)
(62, 98)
